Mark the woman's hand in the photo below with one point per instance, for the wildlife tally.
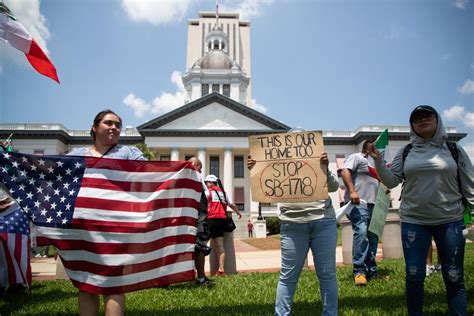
(250, 162)
(373, 152)
(5, 204)
(324, 158)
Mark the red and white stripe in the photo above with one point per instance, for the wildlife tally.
(134, 226)
(14, 259)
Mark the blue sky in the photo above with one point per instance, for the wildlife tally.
(318, 64)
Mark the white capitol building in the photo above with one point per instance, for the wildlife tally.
(216, 120)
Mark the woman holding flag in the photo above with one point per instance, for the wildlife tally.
(436, 179)
(105, 132)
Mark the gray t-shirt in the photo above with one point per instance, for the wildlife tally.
(309, 211)
(365, 185)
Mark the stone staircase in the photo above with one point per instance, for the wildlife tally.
(240, 231)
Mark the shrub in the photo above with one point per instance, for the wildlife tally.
(273, 225)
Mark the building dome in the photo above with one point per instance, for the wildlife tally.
(215, 59)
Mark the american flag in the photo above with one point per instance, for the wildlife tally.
(14, 247)
(119, 225)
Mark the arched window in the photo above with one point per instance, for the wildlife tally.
(204, 89)
(215, 87)
(226, 90)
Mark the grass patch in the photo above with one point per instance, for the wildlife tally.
(272, 242)
(253, 294)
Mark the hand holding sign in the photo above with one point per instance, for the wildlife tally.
(288, 167)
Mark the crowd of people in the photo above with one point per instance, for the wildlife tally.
(436, 188)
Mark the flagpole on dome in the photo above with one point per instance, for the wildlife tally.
(217, 13)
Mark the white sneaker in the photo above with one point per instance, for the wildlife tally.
(429, 270)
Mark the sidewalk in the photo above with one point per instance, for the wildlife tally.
(248, 259)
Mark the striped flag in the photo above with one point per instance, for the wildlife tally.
(14, 33)
(119, 225)
(14, 247)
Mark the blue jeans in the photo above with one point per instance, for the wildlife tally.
(296, 240)
(450, 242)
(364, 243)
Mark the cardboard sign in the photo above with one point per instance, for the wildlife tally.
(288, 167)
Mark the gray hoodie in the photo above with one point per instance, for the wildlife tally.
(431, 192)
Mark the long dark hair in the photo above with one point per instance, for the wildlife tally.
(98, 118)
(219, 183)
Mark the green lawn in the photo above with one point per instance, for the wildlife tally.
(253, 294)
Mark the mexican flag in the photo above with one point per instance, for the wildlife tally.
(14, 33)
(381, 143)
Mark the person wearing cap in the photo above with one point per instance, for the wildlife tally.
(218, 202)
(361, 185)
(431, 206)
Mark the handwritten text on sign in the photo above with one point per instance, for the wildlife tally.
(288, 167)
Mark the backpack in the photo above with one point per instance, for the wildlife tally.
(453, 149)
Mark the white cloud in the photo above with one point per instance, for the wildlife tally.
(459, 113)
(156, 12)
(469, 148)
(28, 13)
(139, 106)
(165, 103)
(246, 8)
(467, 87)
(461, 4)
(258, 107)
(454, 113)
(469, 120)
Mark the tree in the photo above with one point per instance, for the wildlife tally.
(147, 152)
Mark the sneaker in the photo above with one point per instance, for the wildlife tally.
(373, 276)
(360, 280)
(430, 270)
(437, 268)
(205, 283)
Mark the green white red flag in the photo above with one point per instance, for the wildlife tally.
(381, 143)
(14, 33)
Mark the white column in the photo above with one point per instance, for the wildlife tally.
(174, 154)
(201, 155)
(228, 174)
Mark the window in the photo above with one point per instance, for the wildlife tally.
(226, 90)
(239, 198)
(214, 165)
(215, 88)
(165, 157)
(238, 166)
(205, 89)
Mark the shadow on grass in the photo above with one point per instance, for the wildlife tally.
(41, 292)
